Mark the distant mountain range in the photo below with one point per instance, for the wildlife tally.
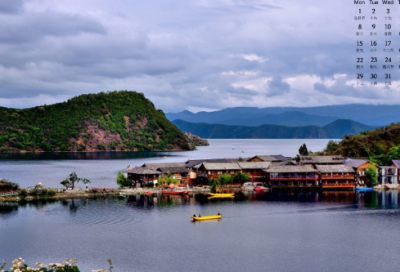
(336, 129)
(371, 115)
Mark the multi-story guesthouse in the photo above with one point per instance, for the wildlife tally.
(360, 166)
(337, 176)
(292, 176)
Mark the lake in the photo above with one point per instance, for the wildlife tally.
(286, 232)
(102, 167)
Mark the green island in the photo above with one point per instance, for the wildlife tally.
(112, 121)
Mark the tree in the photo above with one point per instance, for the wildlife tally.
(394, 153)
(122, 181)
(73, 177)
(241, 178)
(240, 159)
(169, 179)
(213, 185)
(331, 146)
(371, 174)
(223, 180)
(303, 151)
(161, 181)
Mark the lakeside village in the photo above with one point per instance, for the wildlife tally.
(275, 172)
(258, 174)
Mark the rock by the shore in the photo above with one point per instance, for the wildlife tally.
(196, 140)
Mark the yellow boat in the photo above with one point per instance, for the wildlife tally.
(221, 195)
(202, 218)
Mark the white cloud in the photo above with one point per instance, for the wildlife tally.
(254, 57)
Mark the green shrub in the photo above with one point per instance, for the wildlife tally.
(122, 181)
(51, 193)
(23, 193)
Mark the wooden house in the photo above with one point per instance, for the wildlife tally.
(255, 170)
(396, 163)
(179, 171)
(215, 169)
(142, 175)
(337, 176)
(292, 176)
(360, 166)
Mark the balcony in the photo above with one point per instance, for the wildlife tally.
(338, 185)
(292, 176)
(338, 176)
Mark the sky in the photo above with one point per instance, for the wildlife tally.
(185, 55)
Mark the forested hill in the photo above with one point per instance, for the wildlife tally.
(379, 145)
(115, 121)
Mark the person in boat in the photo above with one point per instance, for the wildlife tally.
(219, 213)
(199, 215)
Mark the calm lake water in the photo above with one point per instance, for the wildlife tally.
(329, 231)
(102, 168)
(335, 232)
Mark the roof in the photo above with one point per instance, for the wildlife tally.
(281, 157)
(286, 162)
(341, 168)
(321, 159)
(254, 165)
(265, 158)
(142, 171)
(174, 169)
(386, 167)
(155, 166)
(221, 166)
(192, 163)
(290, 169)
(355, 163)
(397, 163)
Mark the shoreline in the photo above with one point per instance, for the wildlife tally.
(87, 194)
(98, 151)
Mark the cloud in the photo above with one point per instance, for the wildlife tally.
(11, 6)
(198, 54)
(253, 57)
(278, 87)
(36, 26)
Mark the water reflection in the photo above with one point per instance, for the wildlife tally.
(7, 210)
(359, 200)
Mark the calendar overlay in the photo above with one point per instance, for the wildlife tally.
(377, 47)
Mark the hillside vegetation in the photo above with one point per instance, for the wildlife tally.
(118, 120)
(379, 145)
(336, 129)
